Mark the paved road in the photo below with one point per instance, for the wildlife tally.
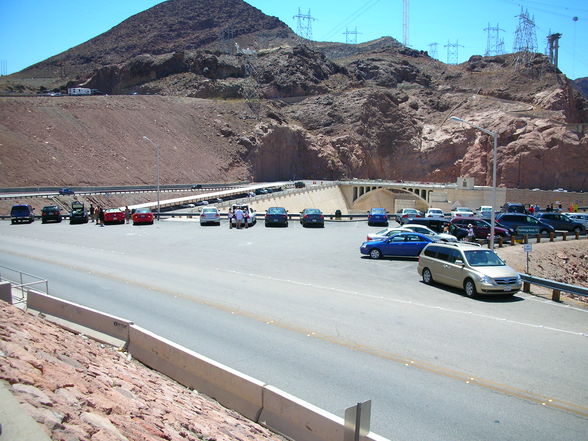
(300, 309)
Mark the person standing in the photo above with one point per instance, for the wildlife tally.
(92, 212)
(239, 217)
(101, 216)
(471, 234)
(127, 214)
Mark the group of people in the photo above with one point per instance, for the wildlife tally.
(97, 215)
(241, 218)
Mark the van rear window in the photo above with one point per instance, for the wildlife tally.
(20, 210)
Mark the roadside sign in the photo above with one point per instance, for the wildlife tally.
(527, 230)
(528, 247)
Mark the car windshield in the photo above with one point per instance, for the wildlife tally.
(20, 210)
(143, 210)
(483, 258)
(276, 210)
(209, 210)
(462, 209)
(378, 211)
(312, 211)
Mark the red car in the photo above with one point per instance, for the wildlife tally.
(143, 216)
(114, 216)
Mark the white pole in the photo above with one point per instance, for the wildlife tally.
(157, 167)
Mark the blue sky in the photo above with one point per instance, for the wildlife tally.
(33, 30)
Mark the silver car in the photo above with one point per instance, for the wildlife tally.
(210, 215)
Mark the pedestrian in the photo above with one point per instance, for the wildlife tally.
(101, 217)
(531, 210)
(92, 212)
(471, 234)
(127, 214)
(230, 216)
(239, 217)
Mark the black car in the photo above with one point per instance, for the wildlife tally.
(434, 223)
(519, 223)
(276, 216)
(22, 213)
(312, 216)
(299, 184)
(561, 222)
(511, 207)
(78, 214)
(50, 213)
(196, 187)
(66, 191)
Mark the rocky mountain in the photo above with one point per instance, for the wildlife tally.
(236, 108)
(582, 84)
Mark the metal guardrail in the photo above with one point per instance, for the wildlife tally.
(557, 287)
(18, 281)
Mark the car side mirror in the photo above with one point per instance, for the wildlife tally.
(459, 262)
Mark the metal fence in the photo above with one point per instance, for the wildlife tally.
(21, 281)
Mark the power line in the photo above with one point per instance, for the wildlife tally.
(304, 25)
(453, 52)
(495, 44)
(352, 17)
(348, 39)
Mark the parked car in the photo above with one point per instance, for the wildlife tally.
(511, 207)
(382, 234)
(50, 213)
(561, 222)
(250, 215)
(433, 223)
(579, 217)
(210, 215)
(397, 245)
(276, 216)
(260, 191)
(462, 212)
(66, 191)
(114, 216)
(143, 216)
(200, 203)
(196, 187)
(481, 227)
(377, 216)
(78, 214)
(22, 213)
(435, 212)
(299, 184)
(312, 216)
(406, 213)
(472, 268)
(484, 212)
(519, 223)
(422, 229)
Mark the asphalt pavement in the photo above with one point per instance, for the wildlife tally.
(299, 308)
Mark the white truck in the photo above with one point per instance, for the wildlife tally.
(79, 91)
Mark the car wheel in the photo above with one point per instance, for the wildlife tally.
(43, 221)
(470, 288)
(427, 276)
(545, 232)
(577, 230)
(375, 253)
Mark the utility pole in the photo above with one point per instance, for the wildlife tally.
(405, 16)
(553, 42)
(433, 50)
(304, 25)
(453, 52)
(525, 44)
(348, 39)
(495, 44)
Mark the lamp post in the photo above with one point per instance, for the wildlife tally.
(157, 148)
(495, 137)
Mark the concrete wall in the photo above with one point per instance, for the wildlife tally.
(108, 324)
(6, 292)
(326, 197)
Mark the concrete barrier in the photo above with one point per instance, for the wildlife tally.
(6, 292)
(299, 420)
(229, 387)
(90, 318)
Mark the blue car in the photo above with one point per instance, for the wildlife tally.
(276, 216)
(398, 245)
(65, 191)
(378, 216)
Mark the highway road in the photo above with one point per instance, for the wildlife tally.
(301, 310)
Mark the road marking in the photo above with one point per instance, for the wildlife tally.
(379, 353)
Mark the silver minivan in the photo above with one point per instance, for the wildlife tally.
(475, 269)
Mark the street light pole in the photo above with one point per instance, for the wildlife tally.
(157, 149)
(495, 146)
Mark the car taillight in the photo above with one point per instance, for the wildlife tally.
(305, 216)
(322, 217)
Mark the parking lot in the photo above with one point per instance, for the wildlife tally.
(301, 309)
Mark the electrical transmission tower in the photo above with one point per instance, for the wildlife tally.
(525, 44)
(495, 44)
(553, 42)
(304, 25)
(351, 36)
(433, 50)
(405, 13)
(453, 52)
